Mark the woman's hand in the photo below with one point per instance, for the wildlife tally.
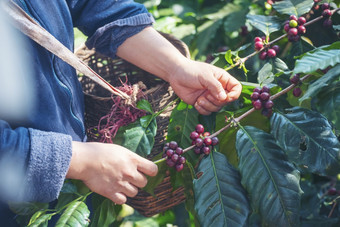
(205, 86)
(110, 170)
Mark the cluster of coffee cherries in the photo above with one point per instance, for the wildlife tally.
(295, 28)
(326, 14)
(202, 140)
(295, 79)
(269, 52)
(173, 155)
(260, 100)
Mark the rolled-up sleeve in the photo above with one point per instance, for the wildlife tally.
(33, 163)
(109, 23)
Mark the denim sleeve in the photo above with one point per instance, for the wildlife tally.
(33, 163)
(109, 23)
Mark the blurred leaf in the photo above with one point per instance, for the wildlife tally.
(205, 33)
(217, 203)
(265, 75)
(328, 103)
(325, 81)
(68, 187)
(26, 208)
(271, 181)
(297, 49)
(307, 138)
(236, 19)
(266, 24)
(76, 214)
(293, 7)
(319, 59)
(104, 214)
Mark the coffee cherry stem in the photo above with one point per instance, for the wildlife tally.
(241, 61)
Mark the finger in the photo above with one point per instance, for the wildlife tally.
(216, 102)
(214, 87)
(233, 87)
(118, 198)
(147, 167)
(201, 110)
(129, 190)
(207, 105)
(139, 180)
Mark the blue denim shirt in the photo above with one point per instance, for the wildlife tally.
(40, 144)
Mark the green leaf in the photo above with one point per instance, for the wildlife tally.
(307, 138)
(153, 182)
(220, 198)
(104, 214)
(76, 214)
(271, 181)
(183, 121)
(319, 59)
(228, 137)
(315, 87)
(266, 24)
(144, 105)
(293, 7)
(236, 19)
(137, 138)
(265, 75)
(40, 219)
(279, 65)
(328, 103)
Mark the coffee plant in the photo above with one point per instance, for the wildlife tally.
(271, 158)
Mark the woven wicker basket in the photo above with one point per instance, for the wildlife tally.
(98, 103)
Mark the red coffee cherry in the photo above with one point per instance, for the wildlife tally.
(297, 92)
(271, 53)
(199, 128)
(263, 55)
(301, 20)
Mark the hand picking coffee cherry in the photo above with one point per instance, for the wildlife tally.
(173, 155)
(295, 28)
(261, 100)
(203, 142)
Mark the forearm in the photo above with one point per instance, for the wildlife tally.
(150, 51)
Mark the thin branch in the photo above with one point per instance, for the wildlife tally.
(243, 60)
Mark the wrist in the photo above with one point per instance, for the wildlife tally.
(76, 167)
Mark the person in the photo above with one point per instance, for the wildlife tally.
(49, 143)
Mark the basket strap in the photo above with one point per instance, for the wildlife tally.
(26, 24)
